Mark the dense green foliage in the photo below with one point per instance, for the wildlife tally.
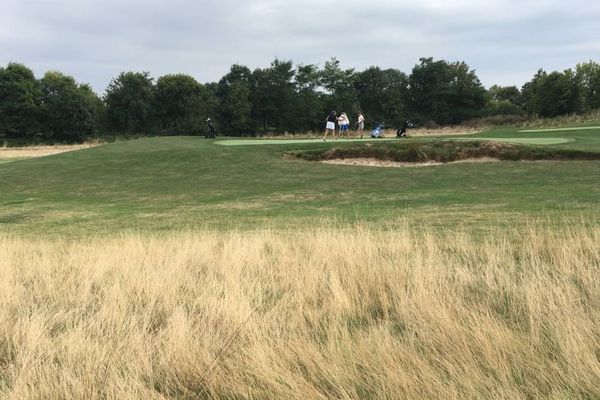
(129, 102)
(587, 76)
(383, 95)
(235, 103)
(276, 99)
(551, 95)
(183, 102)
(445, 93)
(20, 100)
(69, 112)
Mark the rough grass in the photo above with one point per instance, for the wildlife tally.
(445, 151)
(324, 313)
(589, 118)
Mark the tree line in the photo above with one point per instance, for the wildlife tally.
(280, 98)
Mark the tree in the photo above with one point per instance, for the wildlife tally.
(446, 93)
(587, 76)
(429, 91)
(504, 100)
(309, 110)
(503, 107)
(529, 93)
(273, 93)
(382, 94)
(263, 100)
(96, 105)
(129, 102)
(69, 112)
(235, 106)
(339, 87)
(505, 93)
(19, 102)
(182, 104)
(551, 95)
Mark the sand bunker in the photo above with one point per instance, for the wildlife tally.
(39, 151)
(373, 162)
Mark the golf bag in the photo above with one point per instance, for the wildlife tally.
(402, 131)
(378, 131)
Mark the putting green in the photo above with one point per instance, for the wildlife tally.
(516, 140)
(250, 142)
(581, 128)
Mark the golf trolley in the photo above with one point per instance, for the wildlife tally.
(377, 132)
(401, 133)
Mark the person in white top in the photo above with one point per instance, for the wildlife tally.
(344, 124)
(330, 125)
(361, 124)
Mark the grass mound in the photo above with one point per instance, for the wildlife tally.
(444, 151)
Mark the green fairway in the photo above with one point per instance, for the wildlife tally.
(251, 142)
(164, 183)
(581, 128)
(520, 140)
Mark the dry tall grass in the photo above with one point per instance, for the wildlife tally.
(332, 313)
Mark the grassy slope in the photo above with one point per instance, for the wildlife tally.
(588, 140)
(162, 183)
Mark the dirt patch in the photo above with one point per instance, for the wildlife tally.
(423, 153)
(373, 162)
(40, 151)
(446, 131)
(419, 132)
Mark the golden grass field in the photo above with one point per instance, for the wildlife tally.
(336, 313)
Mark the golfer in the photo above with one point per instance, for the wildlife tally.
(361, 124)
(212, 131)
(330, 125)
(344, 123)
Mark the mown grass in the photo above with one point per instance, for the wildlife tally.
(160, 184)
(323, 313)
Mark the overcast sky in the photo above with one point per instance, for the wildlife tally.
(505, 41)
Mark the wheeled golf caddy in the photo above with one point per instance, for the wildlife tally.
(377, 132)
(212, 131)
(401, 133)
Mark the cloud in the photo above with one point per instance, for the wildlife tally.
(506, 41)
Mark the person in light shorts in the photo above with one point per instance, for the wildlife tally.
(330, 125)
(361, 124)
(344, 123)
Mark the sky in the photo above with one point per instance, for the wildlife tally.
(504, 41)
